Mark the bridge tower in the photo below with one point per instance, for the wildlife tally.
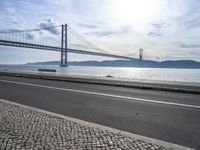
(141, 54)
(63, 62)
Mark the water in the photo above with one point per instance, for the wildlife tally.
(156, 74)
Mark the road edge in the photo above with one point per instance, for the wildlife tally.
(167, 145)
(92, 80)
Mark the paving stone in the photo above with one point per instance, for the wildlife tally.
(21, 128)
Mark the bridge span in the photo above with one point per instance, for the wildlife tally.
(66, 36)
(57, 49)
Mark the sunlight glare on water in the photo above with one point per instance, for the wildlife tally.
(158, 74)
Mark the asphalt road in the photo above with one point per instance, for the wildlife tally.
(172, 117)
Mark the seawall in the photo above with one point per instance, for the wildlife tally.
(109, 81)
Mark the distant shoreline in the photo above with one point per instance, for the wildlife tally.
(178, 64)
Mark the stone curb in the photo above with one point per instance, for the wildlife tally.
(167, 145)
(101, 81)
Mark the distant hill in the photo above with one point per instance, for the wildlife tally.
(130, 63)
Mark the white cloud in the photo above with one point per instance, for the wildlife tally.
(49, 25)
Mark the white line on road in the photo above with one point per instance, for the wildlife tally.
(130, 99)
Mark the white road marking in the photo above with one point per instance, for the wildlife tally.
(130, 99)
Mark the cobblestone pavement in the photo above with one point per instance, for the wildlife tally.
(22, 128)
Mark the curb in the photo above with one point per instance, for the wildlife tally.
(102, 81)
(167, 145)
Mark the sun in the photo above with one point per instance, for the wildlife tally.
(132, 11)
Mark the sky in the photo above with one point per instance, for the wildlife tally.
(165, 29)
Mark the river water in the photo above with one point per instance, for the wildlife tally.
(156, 74)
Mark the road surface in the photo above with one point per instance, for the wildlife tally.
(167, 116)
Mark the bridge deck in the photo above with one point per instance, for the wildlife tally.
(58, 49)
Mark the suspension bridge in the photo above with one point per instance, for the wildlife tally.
(60, 38)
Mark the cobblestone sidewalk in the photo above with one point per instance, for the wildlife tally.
(22, 128)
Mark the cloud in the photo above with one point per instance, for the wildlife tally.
(154, 34)
(189, 45)
(101, 33)
(9, 15)
(125, 29)
(187, 14)
(105, 33)
(87, 25)
(193, 23)
(157, 29)
(49, 25)
(159, 25)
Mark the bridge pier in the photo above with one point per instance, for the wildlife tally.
(63, 62)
